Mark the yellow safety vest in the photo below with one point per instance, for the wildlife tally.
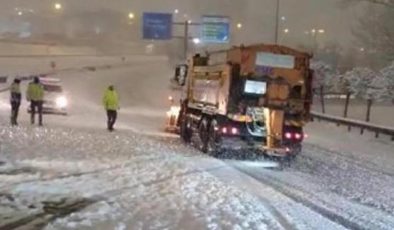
(111, 100)
(35, 92)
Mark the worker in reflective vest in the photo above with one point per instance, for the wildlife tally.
(111, 105)
(35, 94)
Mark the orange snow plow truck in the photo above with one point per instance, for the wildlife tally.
(250, 97)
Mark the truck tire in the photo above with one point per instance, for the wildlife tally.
(185, 130)
(214, 147)
(203, 131)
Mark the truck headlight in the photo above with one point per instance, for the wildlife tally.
(61, 102)
(174, 111)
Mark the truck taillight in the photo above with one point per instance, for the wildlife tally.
(298, 136)
(230, 130)
(294, 136)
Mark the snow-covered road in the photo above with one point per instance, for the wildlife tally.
(72, 174)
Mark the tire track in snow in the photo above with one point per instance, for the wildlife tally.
(281, 219)
(81, 174)
(115, 192)
(360, 163)
(50, 213)
(293, 193)
(343, 164)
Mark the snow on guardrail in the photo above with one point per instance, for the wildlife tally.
(377, 129)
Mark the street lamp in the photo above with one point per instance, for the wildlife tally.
(285, 33)
(20, 13)
(176, 11)
(315, 32)
(196, 41)
(320, 31)
(239, 25)
(131, 15)
(58, 6)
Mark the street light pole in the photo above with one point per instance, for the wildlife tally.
(314, 47)
(277, 21)
(186, 38)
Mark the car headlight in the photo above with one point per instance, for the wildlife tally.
(61, 102)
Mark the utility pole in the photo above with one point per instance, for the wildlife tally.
(277, 21)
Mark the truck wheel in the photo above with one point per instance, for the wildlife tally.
(186, 132)
(213, 139)
(204, 135)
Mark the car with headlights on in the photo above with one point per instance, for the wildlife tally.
(55, 100)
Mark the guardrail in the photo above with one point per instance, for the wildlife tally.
(350, 123)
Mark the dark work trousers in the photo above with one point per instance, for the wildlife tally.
(111, 115)
(14, 112)
(36, 107)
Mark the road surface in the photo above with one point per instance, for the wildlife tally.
(73, 174)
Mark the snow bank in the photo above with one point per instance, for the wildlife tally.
(136, 181)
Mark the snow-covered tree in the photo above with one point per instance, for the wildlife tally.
(365, 83)
(324, 79)
(388, 75)
(324, 75)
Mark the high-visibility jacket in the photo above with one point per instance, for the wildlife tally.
(16, 95)
(111, 100)
(35, 92)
